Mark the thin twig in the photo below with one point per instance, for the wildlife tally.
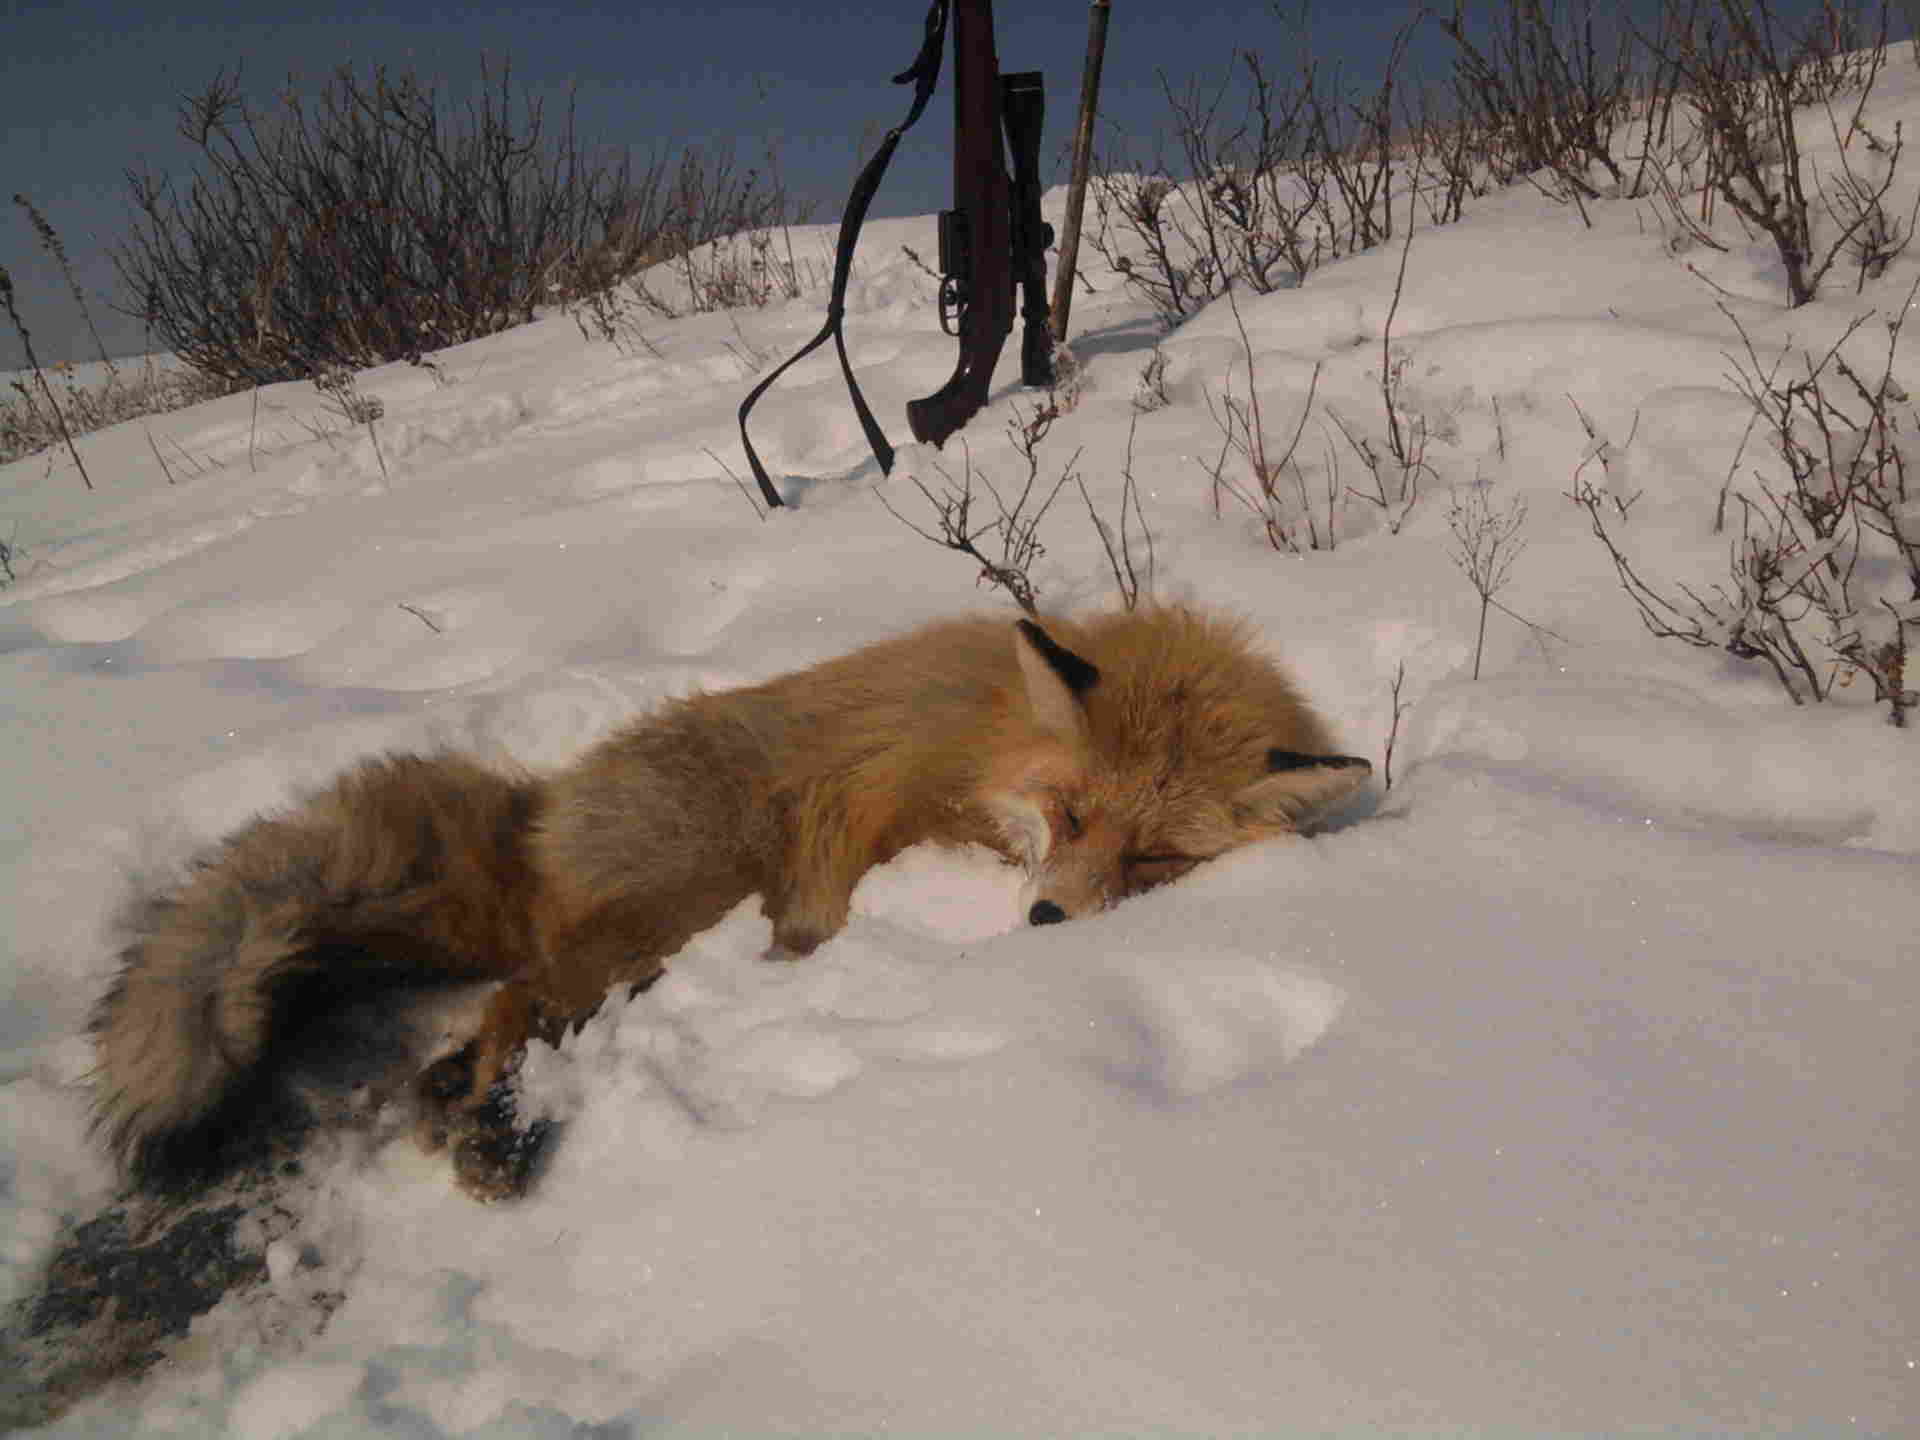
(26, 341)
(161, 458)
(759, 512)
(1393, 730)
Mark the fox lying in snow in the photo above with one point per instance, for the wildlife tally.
(1105, 756)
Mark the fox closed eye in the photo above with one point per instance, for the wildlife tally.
(1146, 871)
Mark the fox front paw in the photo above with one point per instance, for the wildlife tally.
(494, 1154)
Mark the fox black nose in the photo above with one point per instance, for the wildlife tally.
(1045, 912)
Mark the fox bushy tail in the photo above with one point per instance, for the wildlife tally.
(404, 870)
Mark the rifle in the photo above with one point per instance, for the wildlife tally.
(992, 239)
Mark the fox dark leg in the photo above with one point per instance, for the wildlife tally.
(467, 1102)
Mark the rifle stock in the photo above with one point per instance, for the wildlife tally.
(992, 240)
(976, 235)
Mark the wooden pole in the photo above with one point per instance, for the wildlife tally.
(1082, 160)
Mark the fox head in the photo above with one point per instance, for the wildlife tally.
(1178, 745)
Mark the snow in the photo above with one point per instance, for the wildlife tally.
(1564, 1088)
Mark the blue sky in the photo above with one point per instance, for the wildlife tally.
(89, 89)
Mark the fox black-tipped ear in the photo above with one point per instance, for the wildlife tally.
(1055, 677)
(1076, 674)
(1299, 789)
(1278, 760)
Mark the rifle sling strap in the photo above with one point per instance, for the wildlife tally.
(924, 72)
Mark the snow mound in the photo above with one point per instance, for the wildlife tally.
(1200, 1022)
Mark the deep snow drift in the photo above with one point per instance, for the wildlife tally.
(1563, 1089)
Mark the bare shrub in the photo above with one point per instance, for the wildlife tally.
(1743, 71)
(1486, 543)
(1547, 90)
(50, 242)
(1817, 571)
(1177, 274)
(1400, 708)
(741, 263)
(1013, 530)
(57, 419)
(1358, 144)
(37, 416)
(30, 422)
(376, 221)
(1276, 491)
(1132, 570)
(1856, 204)
(346, 400)
(1450, 160)
(1279, 177)
(1396, 469)
(613, 314)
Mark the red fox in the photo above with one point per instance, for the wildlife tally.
(1104, 756)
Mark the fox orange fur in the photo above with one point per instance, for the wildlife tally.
(1104, 755)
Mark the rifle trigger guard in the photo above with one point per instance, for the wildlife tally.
(953, 304)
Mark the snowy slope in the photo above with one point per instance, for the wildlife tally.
(1563, 1089)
